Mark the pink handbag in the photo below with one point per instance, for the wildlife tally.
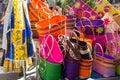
(103, 63)
(51, 48)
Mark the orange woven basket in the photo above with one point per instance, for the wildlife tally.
(55, 26)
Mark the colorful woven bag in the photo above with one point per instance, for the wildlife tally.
(52, 50)
(38, 10)
(110, 23)
(103, 7)
(54, 26)
(49, 70)
(81, 9)
(91, 27)
(85, 64)
(103, 63)
(70, 48)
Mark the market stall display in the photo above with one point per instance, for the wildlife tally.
(61, 39)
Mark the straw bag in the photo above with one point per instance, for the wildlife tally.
(115, 38)
(34, 18)
(52, 50)
(70, 24)
(42, 9)
(54, 25)
(112, 49)
(70, 49)
(80, 9)
(110, 23)
(50, 70)
(103, 63)
(105, 7)
(72, 57)
(85, 64)
(37, 11)
(91, 27)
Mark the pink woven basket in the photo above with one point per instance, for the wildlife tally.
(52, 50)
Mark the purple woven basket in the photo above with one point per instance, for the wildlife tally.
(97, 24)
(71, 69)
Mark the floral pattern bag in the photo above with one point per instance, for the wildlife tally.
(103, 7)
(81, 9)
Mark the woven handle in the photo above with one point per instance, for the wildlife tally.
(90, 46)
(111, 33)
(45, 44)
(76, 37)
(97, 44)
(43, 52)
(112, 43)
(92, 28)
(57, 9)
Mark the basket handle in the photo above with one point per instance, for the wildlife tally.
(92, 9)
(90, 46)
(45, 43)
(58, 9)
(92, 28)
(112, 35)
(75, 35)
(43, 52)
(112, 43)
(40, 6)
(97, 44)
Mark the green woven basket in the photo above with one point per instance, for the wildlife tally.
(48, 70)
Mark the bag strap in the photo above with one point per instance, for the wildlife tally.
(45, 44)
(109, 48)
(43, 52)
(97, 44)
(76, 52)
(92, 28)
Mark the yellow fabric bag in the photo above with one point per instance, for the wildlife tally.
(103, 7)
